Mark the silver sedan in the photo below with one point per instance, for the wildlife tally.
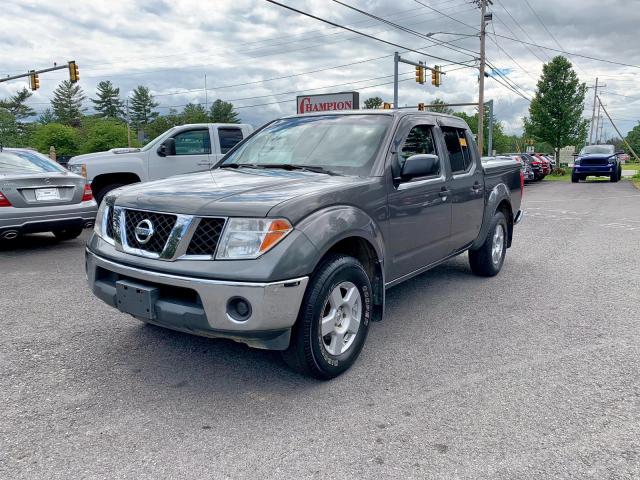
(38, 195)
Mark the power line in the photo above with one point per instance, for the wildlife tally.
(445, 15)
(523, 31)
(613, 62)
(307, 14)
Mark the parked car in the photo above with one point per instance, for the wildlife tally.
(547, 167)
(291, 241)
(534, 164)
(183, 149)
(598, 161)
(38, 195)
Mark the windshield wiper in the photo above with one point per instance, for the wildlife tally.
(240, 165)
(293, 166)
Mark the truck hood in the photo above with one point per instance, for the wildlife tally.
(229, 192)
(109, 154)
(597, 156)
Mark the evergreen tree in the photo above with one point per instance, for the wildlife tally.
(223, 112)
(47, 117)
(108, 103)
(555, 113)
(141, 107)
(194, 113)
(67, 103)
(16, 104)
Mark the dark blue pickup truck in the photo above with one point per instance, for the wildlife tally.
(597, 161)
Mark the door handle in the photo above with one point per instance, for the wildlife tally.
(476, 186)
(444, 193)
(205, 163)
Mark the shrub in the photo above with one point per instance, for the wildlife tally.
(65, 139)
(559, 172)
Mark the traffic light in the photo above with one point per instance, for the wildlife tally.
(34, 81)
(386, 106)
(435, 76)
(74, 71)
(421, 107)
(420, 74)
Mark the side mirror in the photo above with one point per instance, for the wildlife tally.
(168, 147)
(421, 165)
(620, 152)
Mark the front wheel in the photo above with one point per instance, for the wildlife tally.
(574, 177)
(68, 233)
(614, 177)
(487, 260)
(333, 322)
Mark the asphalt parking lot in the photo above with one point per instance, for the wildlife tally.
(532, 374)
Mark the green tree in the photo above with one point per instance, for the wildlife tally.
(633, 139)
(142, 107)
(63, 137)
(373, 102)
(501, 142)
(223, 112)
(100, 134)
(108, 103)
(194, 113)
(67, 103)
(9, 132)
(439, 107)
(47, 116)
(15, 104)
(163, 123)
(555, 113)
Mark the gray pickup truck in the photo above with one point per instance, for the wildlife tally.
(291, 240)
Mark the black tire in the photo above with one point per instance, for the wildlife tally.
(308, 353)
(68, 233)
(481, 260)
(574, 177)
(613, 177)
(99, 195)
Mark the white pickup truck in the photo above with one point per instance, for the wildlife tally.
(181, 149)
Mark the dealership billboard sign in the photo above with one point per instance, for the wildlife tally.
(327, 102)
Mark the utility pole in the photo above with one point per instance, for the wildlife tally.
(483, 31)
(595, 134)
(396, 60)
(128, 124)
(593, 114)
(490, 139)
(206, 103)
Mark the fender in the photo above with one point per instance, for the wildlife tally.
(497, 194)
(327, 227)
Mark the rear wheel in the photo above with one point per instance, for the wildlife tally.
(99, 195)
(333, 322)
(68, 233)
(487, 260)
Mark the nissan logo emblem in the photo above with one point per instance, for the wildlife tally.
(144, 231)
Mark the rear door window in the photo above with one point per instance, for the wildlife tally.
(229, 138)
(458, 149)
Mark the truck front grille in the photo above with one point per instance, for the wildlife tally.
(162, 225)
(205, 238)
(594, 161)
(109, 225)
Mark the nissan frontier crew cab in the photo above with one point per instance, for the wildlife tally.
(182, 149)
(291, 240)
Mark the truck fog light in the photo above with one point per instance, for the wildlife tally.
(239, 309)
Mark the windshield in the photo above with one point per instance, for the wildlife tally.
(345, 144)
(156, 140)
(24, 162)
(598, 149)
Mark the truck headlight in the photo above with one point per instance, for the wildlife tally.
(78, 169)
(247, 238)
(98, 226)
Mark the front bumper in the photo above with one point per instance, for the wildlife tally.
(44, 219)
(199, 306)
(594, 169)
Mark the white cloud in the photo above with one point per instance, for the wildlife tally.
(170, 46)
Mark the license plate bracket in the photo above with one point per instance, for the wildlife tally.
(136, 299)
(44, 194)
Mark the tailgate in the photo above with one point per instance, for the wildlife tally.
(50, 189)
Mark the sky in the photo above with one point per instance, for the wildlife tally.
(244, 47)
